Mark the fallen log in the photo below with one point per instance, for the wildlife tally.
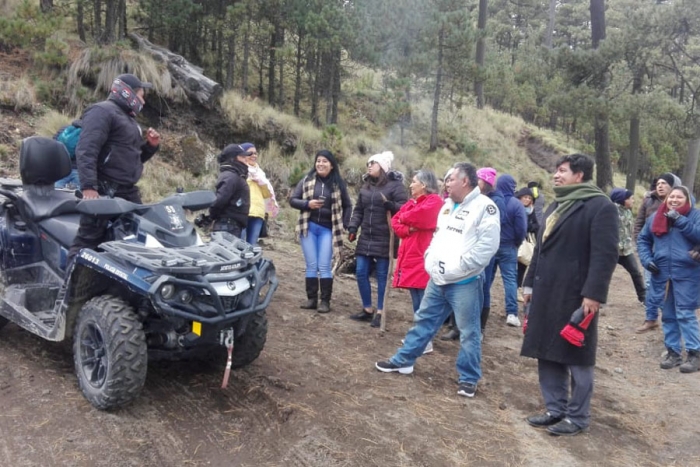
(198, 87)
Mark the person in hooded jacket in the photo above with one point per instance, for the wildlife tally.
(527, 198)
(383, 192)
(324, 211)
(538, 200)
(229, 212)
(111, 152)
(624, 199)
(513, 231)
(663, 246)
(415, 224)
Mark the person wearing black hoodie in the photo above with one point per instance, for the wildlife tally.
(229, 212)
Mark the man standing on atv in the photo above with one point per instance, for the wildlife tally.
(111, 152)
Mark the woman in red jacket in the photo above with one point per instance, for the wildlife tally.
(415, 224)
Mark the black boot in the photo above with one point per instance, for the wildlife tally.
(453, 333)
(311, 294)
(484, 317)
(326, 292)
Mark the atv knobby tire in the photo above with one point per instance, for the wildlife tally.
(110, 352)
(247, 347)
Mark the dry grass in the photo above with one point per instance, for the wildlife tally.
(49, 123)
(19, 94)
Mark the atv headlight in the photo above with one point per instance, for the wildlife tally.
(167, 291)
(185, 297)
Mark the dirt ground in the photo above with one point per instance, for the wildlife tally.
(313, 398)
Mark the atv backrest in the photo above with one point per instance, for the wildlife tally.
(43, 161)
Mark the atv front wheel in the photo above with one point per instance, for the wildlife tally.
(110, 352)
(247, 347)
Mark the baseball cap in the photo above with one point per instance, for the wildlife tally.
(133, 81)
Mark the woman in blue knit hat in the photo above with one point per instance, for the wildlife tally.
(624, 199)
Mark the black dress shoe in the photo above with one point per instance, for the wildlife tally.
(543, 420)
(565, 428)
(451, 335)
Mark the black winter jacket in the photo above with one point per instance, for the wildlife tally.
(111, 147)
(232, 194)
(324, 215)
(369, 215)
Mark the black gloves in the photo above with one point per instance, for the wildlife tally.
(652, 267)
(389, 205)
(672, 215)
(202, 220)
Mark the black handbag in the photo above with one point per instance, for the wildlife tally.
(263, 231)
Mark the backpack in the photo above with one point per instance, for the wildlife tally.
(69, 136)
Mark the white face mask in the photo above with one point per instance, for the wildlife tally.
(529, 209)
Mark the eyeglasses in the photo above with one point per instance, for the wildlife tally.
(371, 163)
(253, 154)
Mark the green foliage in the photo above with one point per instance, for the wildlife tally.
(332, 139)
(27, 28)
(54, 55)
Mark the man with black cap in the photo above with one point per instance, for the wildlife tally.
(111, 152)
(649, 206)
(230, 210)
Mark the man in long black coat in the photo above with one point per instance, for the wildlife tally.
(571, 267)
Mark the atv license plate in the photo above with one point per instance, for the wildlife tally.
(197, 327)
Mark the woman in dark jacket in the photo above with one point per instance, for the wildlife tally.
(382, 193)
(230, 210)
(664, 245)
(526, 197)
(325, 208)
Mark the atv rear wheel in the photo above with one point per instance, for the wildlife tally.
(110, 352)
(247, 347)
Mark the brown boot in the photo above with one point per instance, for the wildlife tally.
(647, 326)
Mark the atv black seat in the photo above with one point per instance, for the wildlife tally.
(42, 162)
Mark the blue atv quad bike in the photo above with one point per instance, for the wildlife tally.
(153, 290)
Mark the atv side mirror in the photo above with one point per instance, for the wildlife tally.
(194, 200)
(107, 207)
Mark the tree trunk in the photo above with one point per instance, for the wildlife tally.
(80, 19)
(108, 36)
(272, 66)
(121, 31)
(297, 79)
(46, 5)
(549, 37)
(691, 161)
(97, 32)
(198, 87)
(602, 139)
(633, 156)
(315, 89)
(335, 91)
(231, 65)
(480, 52)
(436, 98)
(246, 58)
(280, 65)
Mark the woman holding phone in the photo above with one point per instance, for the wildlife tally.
(325, 208)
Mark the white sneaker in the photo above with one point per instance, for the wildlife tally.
(513, 320)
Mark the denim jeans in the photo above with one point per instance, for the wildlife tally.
(70, 179)
(506, 259)
(679, 323)
(438, 302)
(252, 231)
(416, 298)
(652, 311)
(362, 271)
(317, 247)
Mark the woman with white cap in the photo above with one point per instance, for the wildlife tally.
(382, 192)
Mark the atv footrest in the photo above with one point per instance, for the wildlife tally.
(31, 306)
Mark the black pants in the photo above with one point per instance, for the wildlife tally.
(521, 273)
(629, 262)
(228, 225)
(92, 230)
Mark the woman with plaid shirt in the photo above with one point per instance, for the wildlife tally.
(325, 209)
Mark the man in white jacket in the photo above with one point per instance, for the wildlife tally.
(467, 236)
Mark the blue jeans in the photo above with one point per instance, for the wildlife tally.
(679, 323)
(506, 259)
(652, 311)
(71, 178)
(416, 298)
(252, 231)
(465, 300)
(362, 270)
(317, 246)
